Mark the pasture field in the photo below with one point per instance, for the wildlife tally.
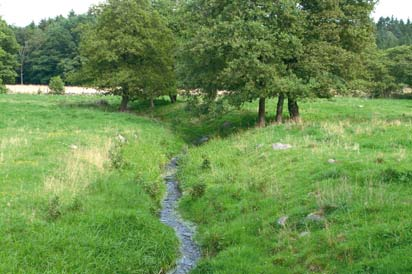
(80, 187)
(344, 189)
(75, 199)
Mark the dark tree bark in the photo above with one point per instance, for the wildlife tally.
(279, 108)
(293, 109)
(262, 112)
(173, 98)
(124, 103)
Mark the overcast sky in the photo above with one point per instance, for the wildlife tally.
(22, 12)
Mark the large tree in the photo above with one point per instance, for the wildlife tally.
(336, 37)
(129, 51)
(286, 48)
(8, 54)
(240, 47)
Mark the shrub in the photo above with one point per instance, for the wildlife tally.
(56, 86)
(3, 89)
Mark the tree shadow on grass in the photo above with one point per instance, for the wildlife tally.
(192, 128)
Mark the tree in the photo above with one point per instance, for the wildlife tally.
(8, 54)
(336, 36)
(50, 48)
(56, 85)
(129, 51)
(399, 62)
(240, 47)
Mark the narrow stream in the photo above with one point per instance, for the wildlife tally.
(190, 251)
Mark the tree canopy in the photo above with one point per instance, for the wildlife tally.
(129, 51)
(8, 54)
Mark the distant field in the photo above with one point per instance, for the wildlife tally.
(73, 197)
(43, 89)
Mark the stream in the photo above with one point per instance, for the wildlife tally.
(190, 251)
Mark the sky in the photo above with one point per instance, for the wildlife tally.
(23, 12)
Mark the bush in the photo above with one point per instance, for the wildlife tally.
(56, 86)
(3, 89)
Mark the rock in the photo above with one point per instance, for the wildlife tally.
(332, 161)
(74, 147)
(280, 146)
(121, 139)
(227, 124)
(315, 217)
(282, 221)
(304, 234)
(102, 103)
(202, 140)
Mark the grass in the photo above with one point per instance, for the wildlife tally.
(73, 197)
(94, 208)
(236, 188)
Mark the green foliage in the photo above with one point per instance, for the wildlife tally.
(3, 88)
(56, 86)
(399, 60)
(261, 50)
(8, 51)
(392, 32)
(51, 48)
(129, 51)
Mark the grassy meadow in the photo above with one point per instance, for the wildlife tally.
(350, 166)
(75, 199)
(74, 196)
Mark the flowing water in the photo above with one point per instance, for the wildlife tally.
(190, 251)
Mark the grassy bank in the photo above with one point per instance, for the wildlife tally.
(74, 196)
(349, 167)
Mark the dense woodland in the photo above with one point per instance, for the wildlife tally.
(286, 50)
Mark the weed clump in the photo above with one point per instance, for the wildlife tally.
(395, 176)
(116, 156)
(54, 209)
(56, 86)
(206, 164)
(198, 190)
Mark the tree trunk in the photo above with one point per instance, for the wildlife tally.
(293, 109)
(124, 103)
(22, 74)
(262, 112)
(152, 104)
(173, 98)
(279, 109)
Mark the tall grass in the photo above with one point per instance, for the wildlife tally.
(65, 206)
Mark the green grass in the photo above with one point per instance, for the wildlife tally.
(236, 188)
(73, 198)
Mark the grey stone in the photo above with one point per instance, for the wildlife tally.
(280, 146)
(315, 217)
(282, 220)
(202, 140)
(74, 147)
(121, 139)
(304, 234)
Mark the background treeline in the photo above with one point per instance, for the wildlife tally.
(95, 49)
(392, 32)
(50, 48)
